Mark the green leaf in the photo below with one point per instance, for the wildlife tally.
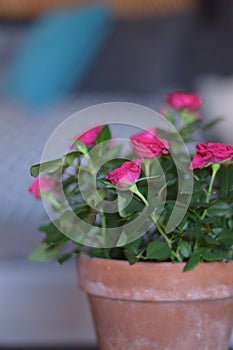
(45, 253)
(132, 251)
(135, 206)
(185, 249)
(46, 167)
(82, 212)
(212, 123)
(215, 254)
(35, 170)
(48, 228)
(211, 241)
(226, 180)
(168, 115)
(112, 219)
(230, 223)
(124, 198)
(158, 250)
(220, 209)
(70, 157)
(53, 235)
(123, 240)
(187, 117)
(209, 256)
(80, 147)
(99, 252)
(199, 193)
(65, 257)
(225, 237)
(51, 166)
(104, 135)
(193, 262)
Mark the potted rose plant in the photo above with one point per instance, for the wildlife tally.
(153, 288)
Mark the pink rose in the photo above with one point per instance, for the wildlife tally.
(147, 145)
(41, 183)
(89, 137)
(128, 172)
(180, 100)
(207, 153)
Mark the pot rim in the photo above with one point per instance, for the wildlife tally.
(157, 263)
(165, 281)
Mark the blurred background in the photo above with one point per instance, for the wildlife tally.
(57, 57)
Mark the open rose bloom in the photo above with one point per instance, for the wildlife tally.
(128, 173)
(148, 145)
(89, 136)
(155, 203)
(209, 153)
(181, 100)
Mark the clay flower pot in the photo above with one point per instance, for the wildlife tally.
(157, 305)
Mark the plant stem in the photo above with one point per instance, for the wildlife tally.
(215, 168)
(138, 193)
(103, 226)
(147, 164)
(90, 217)
(49, 196)
(161, 231)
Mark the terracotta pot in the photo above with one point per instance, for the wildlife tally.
(157, 305)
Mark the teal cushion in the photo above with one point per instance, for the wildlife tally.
(57, 54)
